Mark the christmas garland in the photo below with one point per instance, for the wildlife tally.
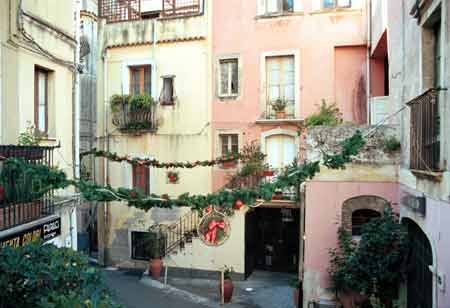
(226, 200)
(230, 157)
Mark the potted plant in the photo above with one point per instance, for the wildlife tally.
(229, 160)
(297, 285)
(227, 285)
(172, 176)
(155, 262)
(279, 106)
(277, 195)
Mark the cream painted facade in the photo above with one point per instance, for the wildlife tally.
(40, 34)
(179, 47)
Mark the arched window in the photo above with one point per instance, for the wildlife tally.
(361, 217)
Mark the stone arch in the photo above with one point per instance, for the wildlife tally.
(351, 205)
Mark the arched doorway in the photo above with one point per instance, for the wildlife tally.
(419, 276)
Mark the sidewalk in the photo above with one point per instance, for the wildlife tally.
(261, 290)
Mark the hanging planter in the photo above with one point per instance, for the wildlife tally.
(172, 177)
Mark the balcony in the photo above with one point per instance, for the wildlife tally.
(135, 120)
(129, 10)
(20, 199)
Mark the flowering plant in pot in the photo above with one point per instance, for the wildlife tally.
(279, 106)
(227, 284)
(230, 160)
(172, 176)
(297, 285)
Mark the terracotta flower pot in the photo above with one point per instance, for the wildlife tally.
(280, 114)
(227, 290)
(296, 295)
(155, 267)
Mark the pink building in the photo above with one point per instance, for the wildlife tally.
(301, 51)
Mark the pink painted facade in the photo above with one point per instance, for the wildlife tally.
(328, 54)
(323, 219)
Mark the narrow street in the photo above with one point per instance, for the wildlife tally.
(131, 293)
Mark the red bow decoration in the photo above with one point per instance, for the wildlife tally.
(211, 235)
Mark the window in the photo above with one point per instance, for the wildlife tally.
(143, 245)
(140, 79)
(280, 84)
(229, 144)
(331, 4)
(41, 99)
(281, 150)
(167, 93)
(278, 6)
(141, 178)
(228, 77)
(425, 117)
(361, 217)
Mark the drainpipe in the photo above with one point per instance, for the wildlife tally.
(76, 101)
(105, 147)
(1, 92)
(301, 256)
(369, 49)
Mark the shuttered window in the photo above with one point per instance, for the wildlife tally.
(280, 150)
(167, 93)
(141, 178)
(281, 82)
(229, 77)
(360, 218)
(140, 79)
(41, 99)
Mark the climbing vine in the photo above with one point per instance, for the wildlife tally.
(225, 199)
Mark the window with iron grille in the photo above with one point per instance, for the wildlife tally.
(119, 10)
(147, 245)
(360, 218)
(278, 6)
(280, 71)
(229, 144)
(180, 7)
(228, 77)
(140, 79)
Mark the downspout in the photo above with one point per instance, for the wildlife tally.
(106, 148)
(369, 50)
(76, 100)
(301, 256)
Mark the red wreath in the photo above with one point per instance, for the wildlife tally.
(213, 226)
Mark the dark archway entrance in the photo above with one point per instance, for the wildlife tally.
(420, 277)
(272, 240)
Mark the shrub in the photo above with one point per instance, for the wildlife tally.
(42, 275)
(326, 115)
(118, 100)
(392, 144)
(141, 101)
(374, 266)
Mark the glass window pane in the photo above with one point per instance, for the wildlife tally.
(328, 4)
(223, 77)
(234, 77)
(344, 3)
(42, 100)
(134, 83)
(148, 80)
(272, 6)
(288, 5)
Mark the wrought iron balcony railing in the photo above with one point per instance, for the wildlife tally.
(129, 119)
(129, 10)
(20, 201)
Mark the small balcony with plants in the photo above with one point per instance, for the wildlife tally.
(134, 114)
(23, 196)
(278, 110)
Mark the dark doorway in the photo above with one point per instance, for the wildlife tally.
(420, 277)
(272, 240)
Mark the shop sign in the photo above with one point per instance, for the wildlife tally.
(45, 231)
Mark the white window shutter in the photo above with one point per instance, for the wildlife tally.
(261, 10)
(343, 3)
(298, 6)
(315, 5)
(127, 175)
(151, 187)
